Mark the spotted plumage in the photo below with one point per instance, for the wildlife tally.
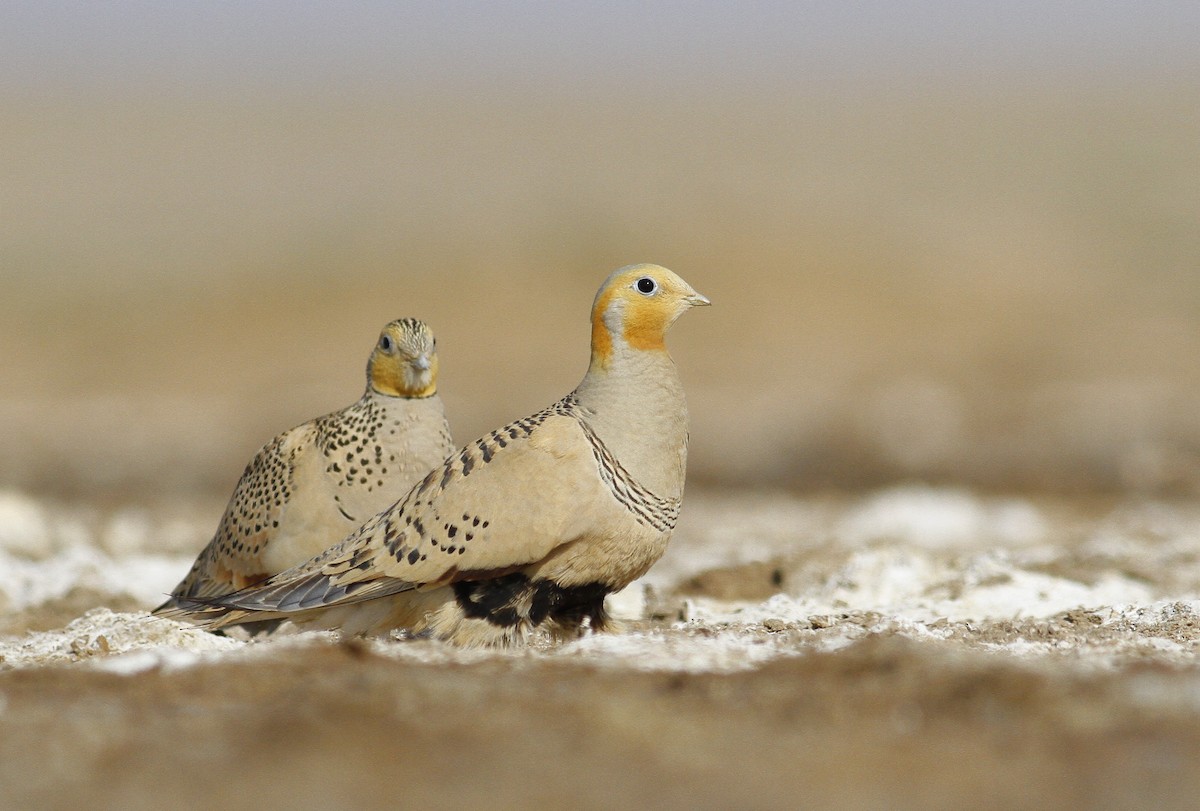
(532, 524)
(310, 486)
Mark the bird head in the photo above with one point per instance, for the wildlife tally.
(404, 362)
(635, 307)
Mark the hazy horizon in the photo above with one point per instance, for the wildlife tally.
(313, 43)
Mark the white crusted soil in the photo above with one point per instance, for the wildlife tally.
(747, 578)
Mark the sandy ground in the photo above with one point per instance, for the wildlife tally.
(913, 647)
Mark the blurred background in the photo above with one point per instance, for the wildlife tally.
(945, 242)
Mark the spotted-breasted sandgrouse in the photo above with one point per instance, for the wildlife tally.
(316, 483)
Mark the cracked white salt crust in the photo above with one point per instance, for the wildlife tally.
(119, 642)
(912, 584)
(913, 558)
(719, 530)
(721, 652)
(717, 652)
(1154, 613)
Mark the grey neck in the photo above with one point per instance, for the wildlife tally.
(637, 409)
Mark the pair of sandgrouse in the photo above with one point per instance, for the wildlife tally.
(369, 520)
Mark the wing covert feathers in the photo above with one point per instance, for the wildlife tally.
(501, 503)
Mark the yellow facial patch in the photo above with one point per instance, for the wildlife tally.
(392, 376)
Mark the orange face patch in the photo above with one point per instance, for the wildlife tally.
(601, 340)
(645, 324)
(644, 321)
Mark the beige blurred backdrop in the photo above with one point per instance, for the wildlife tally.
(932, 254)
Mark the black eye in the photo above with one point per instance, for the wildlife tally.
(385, 343)
(646, 285)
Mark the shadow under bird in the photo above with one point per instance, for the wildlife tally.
(316, 483)
(533, 524)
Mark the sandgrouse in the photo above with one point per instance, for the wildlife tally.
(532, 524)
(319, 481)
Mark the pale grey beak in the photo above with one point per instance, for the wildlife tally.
(697, 300)
(421, 362)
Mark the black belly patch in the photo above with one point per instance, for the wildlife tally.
(513, 599)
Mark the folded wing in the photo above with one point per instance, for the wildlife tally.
(501, 503)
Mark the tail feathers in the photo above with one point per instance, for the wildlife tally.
(273, 602)
(202, 611)
(179, 607)
(168, 605)
(309, 592)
